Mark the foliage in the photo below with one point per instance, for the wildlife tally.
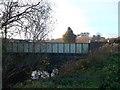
(69, 36)
(31, 19)
(83, 39)
(117, 40)
(98, 38)
(18, 67)
(97, 71)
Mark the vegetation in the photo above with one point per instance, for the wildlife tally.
(98, 38)
(31, 19)
(99, 70)
(18, 67)
(69, 36)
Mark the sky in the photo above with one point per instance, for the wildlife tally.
(93, 16)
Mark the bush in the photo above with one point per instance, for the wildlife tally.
(98, 70)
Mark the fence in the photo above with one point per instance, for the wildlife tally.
(47, 47)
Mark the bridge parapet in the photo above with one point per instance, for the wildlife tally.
(48, 47)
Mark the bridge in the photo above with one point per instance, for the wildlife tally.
(48, 47)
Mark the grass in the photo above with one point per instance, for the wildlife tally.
(99, 70)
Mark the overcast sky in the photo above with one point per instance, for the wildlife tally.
(93, 16)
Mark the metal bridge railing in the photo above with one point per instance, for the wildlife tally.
(47, 47)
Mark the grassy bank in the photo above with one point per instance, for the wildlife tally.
(99, 70)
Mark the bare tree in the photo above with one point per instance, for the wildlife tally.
(38, 24)
(30, 19)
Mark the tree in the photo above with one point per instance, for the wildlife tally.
(83, 37)
(31, 19)
(69, 36)
(98, 38)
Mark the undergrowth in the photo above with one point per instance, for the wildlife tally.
(99, 70)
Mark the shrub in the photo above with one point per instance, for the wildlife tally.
(98, 70)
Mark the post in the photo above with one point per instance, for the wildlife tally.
(5, 40)
(0, 63)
